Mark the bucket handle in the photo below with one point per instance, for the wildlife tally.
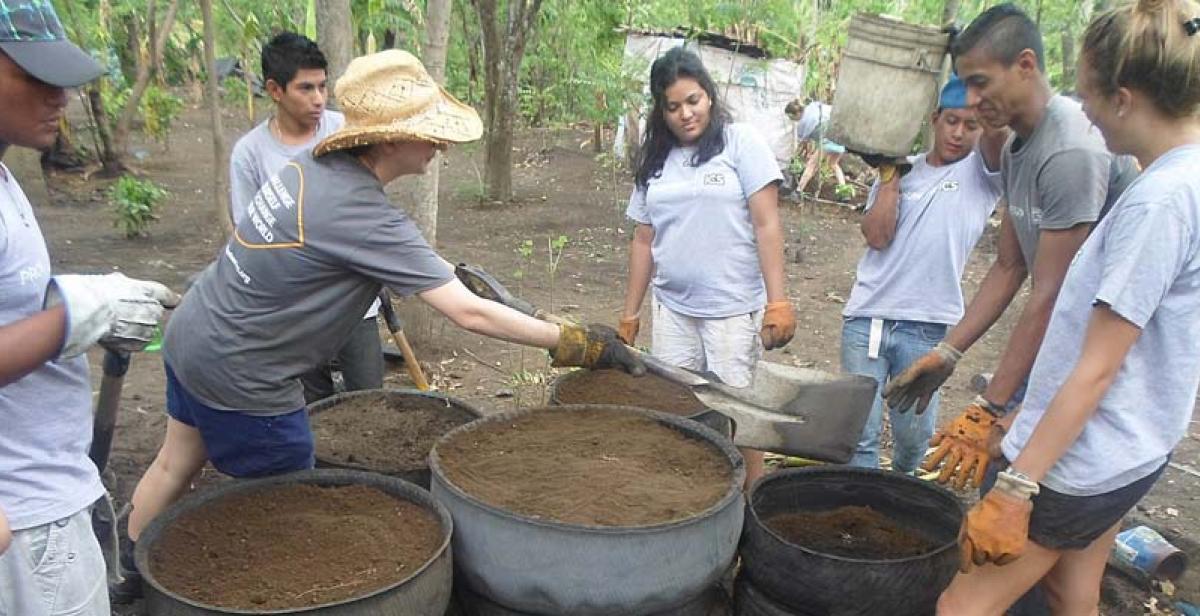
(919, 63)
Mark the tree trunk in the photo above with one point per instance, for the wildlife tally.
(503, 50)
(110, 160)
(145, 72)
(950, 11)
(418, 194)
(1068, 60)
(335, 34)
(220, 166)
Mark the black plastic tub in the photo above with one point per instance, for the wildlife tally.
(420, 476)
(806, 581)
(426, 592)
(706, 416)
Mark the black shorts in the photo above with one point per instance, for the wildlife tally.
(1065, 522)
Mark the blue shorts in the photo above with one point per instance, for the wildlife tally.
(241, 444)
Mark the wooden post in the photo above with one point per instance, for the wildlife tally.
(220, 166)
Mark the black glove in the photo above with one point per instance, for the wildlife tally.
(595, 347)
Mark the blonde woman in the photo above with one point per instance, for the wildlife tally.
(1113, 386)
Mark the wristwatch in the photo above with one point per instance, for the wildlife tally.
(995, 410)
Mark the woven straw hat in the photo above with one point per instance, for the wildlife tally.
(388, 96)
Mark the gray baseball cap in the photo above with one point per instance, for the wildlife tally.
(33, 37)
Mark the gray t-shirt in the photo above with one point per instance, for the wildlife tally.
(1062, 176)
(705, 252)
(45, 472)
(942, 212)
(258, 155)
(317, 243)
(1143, 261)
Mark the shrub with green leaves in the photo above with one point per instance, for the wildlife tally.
(159, 109)
(136, 203)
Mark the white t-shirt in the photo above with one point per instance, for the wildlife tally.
(704, 250)
(45, 472)
(1143, 261)
(942, 212)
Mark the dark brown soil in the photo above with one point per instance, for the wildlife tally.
(852, 532)
(618, 387)
(294, 546)
(593, 467)
(383, 433)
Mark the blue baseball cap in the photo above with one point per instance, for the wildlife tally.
(954, 94)
(33, 37)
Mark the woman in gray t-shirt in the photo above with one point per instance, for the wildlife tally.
(708, 237)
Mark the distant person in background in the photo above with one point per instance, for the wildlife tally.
(708, 238)
(293, 68)
(811, 122)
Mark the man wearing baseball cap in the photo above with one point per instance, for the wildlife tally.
(48, 485)
(920, 229)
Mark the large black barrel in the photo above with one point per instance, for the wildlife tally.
(461, 411)
(426, 592)
(546, 567)
(704, 415)
(807, 581)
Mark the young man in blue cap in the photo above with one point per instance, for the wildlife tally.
(920, 229)
(48, 485)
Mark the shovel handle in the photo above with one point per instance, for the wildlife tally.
(392, 320)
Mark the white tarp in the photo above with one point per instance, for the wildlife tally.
(754, 90)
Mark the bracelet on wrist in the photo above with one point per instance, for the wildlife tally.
(995, 410)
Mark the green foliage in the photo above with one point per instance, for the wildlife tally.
(136, 203)
(159, 109)
(845, 192)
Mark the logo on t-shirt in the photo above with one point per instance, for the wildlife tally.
(714, 179)
(950, 186)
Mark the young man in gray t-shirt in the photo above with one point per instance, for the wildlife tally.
(1058, 178)
(293, 68)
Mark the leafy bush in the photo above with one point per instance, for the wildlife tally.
(159, 110)
(845, 192)
(136, 203)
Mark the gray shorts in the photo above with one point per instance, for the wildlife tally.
(1065, 522)
(54, 569)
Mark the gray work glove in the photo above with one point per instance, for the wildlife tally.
(119, 312)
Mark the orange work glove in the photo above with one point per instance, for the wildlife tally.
(921, 379)
(627, 329)
(779, 325)
(997, 527)
(964, 446)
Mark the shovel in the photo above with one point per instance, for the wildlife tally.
(789, 410)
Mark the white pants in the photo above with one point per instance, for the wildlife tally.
(728, 347)
(54, 570)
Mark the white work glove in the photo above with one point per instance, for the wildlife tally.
(119, 312)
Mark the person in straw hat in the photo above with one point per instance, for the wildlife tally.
(317, 243)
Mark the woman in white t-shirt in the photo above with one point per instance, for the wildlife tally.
(708, 236)
(1113, 387)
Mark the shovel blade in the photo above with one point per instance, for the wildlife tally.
(796, 411)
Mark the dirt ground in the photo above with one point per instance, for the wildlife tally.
(562, 189)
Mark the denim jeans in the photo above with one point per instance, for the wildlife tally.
(901, 343)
